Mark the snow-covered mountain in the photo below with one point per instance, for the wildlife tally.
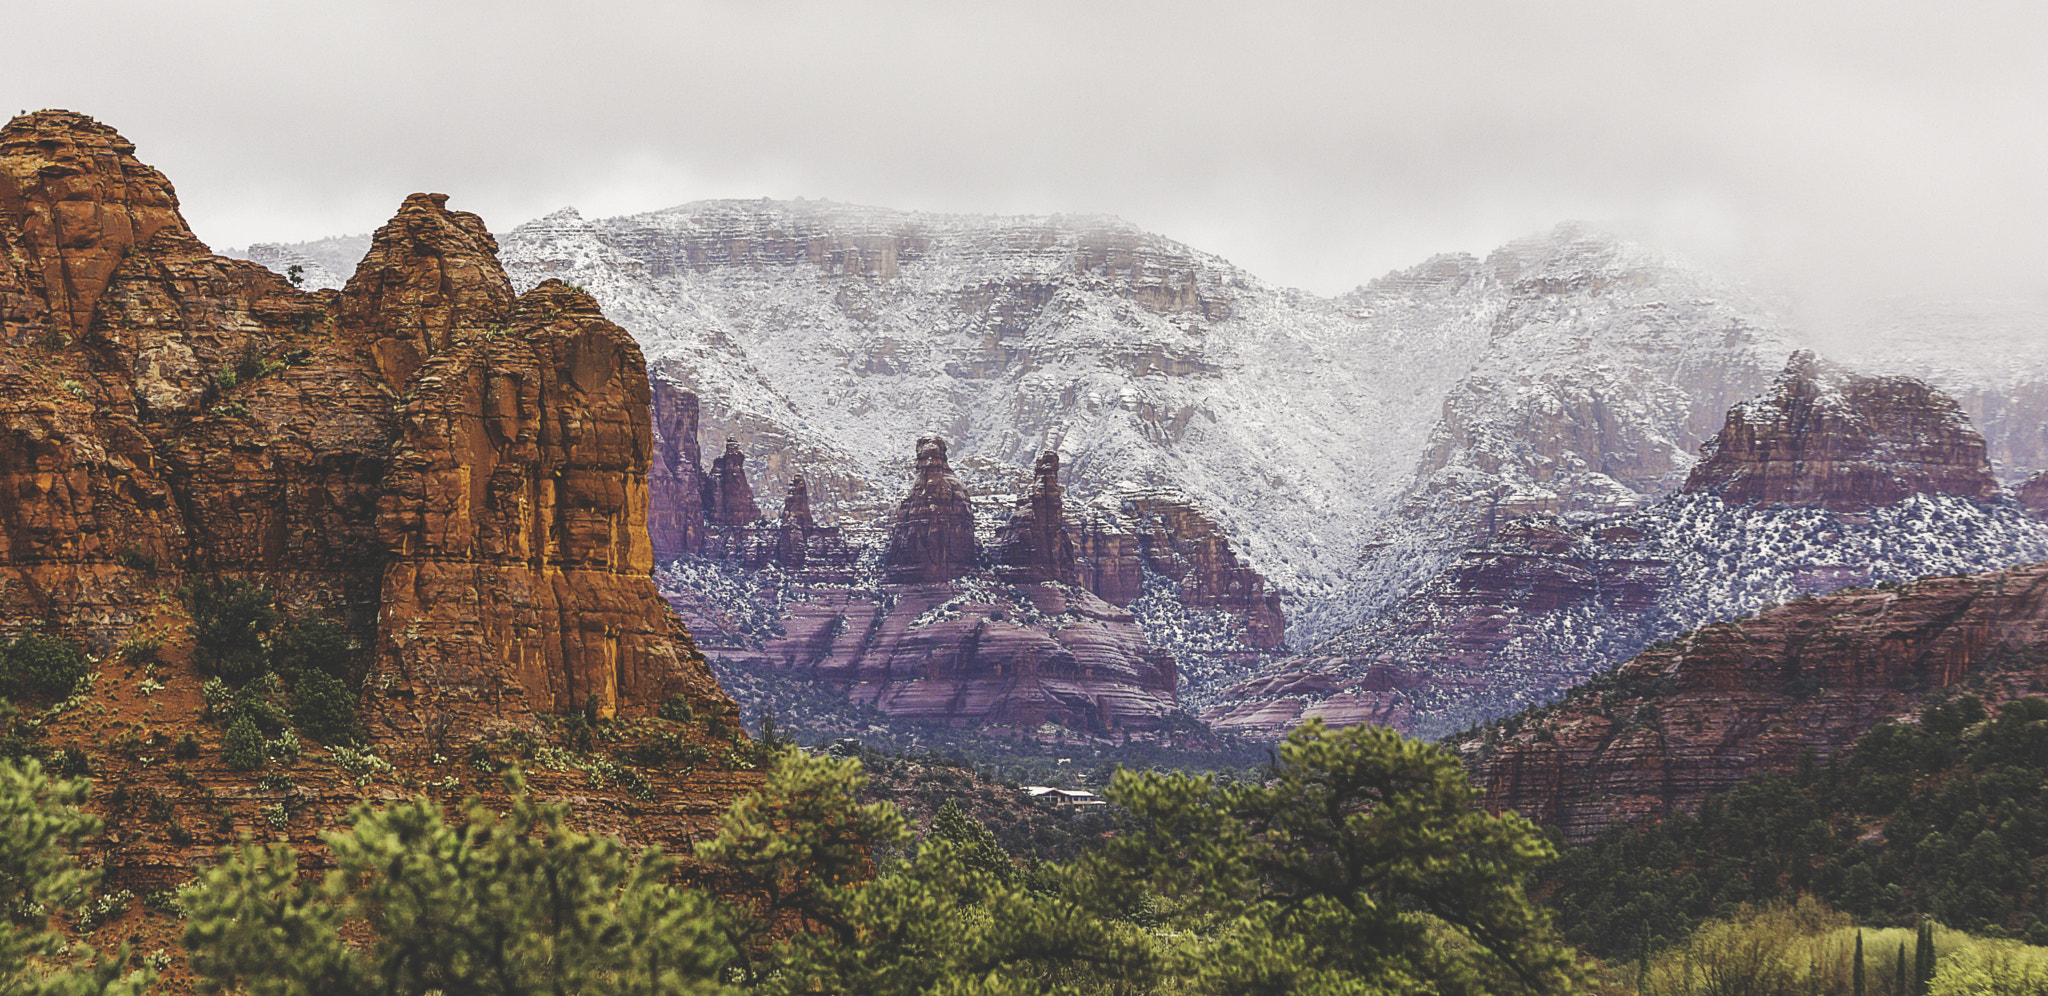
(1350, 447)
(1568, 371)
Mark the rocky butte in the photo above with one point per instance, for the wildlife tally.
(454, 475)
(1827, 480)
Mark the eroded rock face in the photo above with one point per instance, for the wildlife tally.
(1828, 438)
(1012, 647)
(505, 492)
(457, 478)
(1177, 540)
(2032, 495)
(932, 538)
(1698, 715)
(514, 511)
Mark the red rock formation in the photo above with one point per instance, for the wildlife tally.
(1825, 437)
(1034, 544)
(1111, 564)
(675, 481)
(1175, 539)
(410, 300)
(1695, 716)
(791, 546)
(796, 505)
(733, 503)
(458, 478)
(515, 513)
(932, 538)
(943, 640)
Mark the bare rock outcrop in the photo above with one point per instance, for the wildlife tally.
(515, 515)
(1828, 438)
(1697, 715)
(1034, 544)
(1176, 539)
(932, 538)
(454, 477)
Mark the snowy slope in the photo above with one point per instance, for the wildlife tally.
(1571, 368)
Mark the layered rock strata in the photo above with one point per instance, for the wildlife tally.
(456, 476)
(1699, 714)
(937, 637)
(1827, 438)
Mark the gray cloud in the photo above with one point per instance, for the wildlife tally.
(1836, 150)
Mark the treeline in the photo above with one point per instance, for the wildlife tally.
(1359, 865)
(1946, 818)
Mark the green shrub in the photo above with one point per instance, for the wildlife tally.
(40, 666)
(243, 748)
(261, 702)
(309, 644)
(229, 620)
(323, 706)
(677, 709)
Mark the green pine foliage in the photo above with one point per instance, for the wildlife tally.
(976, 845)
(311, 644)
(416, 903)
(230, 620)
(40, 827)
(1361, 863)
(242, 749)
(1945, 818)
(324, 707)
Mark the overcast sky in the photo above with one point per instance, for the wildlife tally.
(1832, 150)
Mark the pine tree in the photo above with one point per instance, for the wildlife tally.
(1899, 986)
(242, 749)
(1923, 958)
(512, 905)
(1856, 984)
(40, 825)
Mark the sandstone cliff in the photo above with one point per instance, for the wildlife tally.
(454, 476)
(1696, 715)
(1035, 544)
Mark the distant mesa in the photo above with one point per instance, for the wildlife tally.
(1827, 438)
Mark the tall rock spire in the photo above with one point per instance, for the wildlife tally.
(1034, 543)
(734, 505)
(933, 535)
